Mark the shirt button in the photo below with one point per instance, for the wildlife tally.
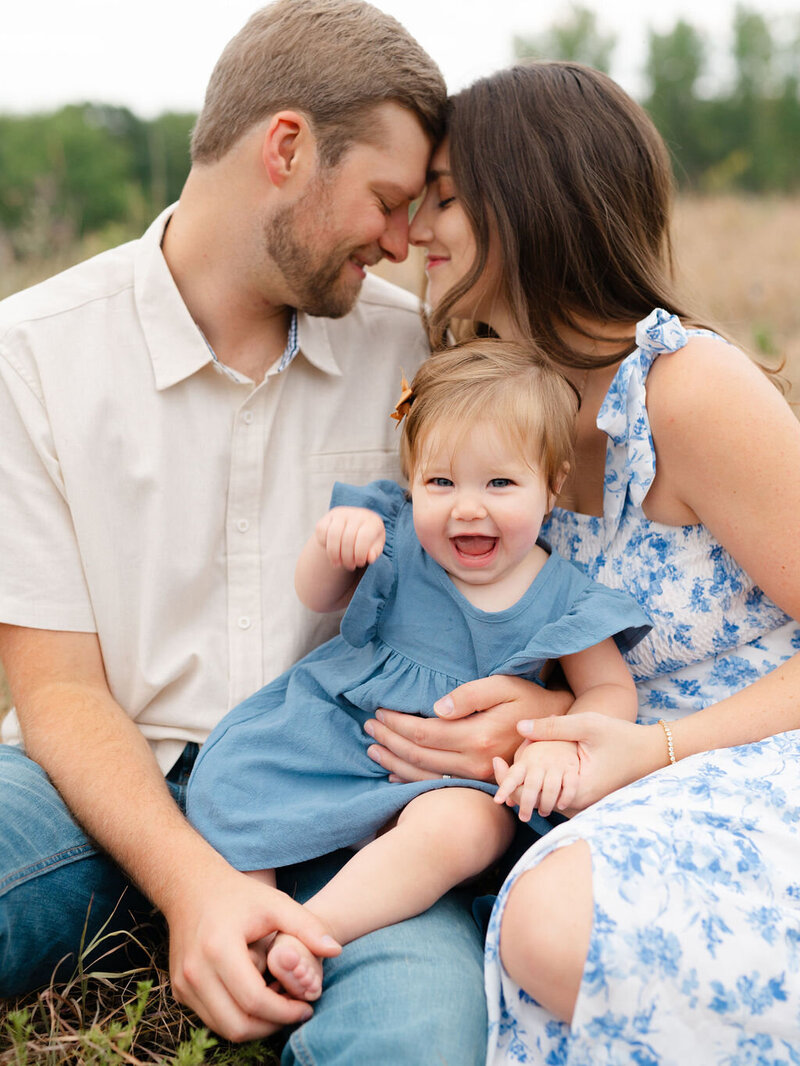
(243, 525)
(244, 622)
(248, 417)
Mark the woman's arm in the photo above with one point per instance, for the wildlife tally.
(728, 452)
(344, 542)
(728, 455)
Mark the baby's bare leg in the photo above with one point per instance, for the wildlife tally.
(440, 839)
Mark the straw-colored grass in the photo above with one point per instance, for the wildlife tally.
(739, 260)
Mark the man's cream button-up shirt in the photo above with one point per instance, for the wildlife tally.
(149, 498)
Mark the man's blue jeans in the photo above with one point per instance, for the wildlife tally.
(408, 995)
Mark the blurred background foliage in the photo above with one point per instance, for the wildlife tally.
(734, 130)
(84, 169)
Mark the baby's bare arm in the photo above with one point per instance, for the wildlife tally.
(346, 540)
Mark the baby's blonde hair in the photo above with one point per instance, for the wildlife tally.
(513, 386)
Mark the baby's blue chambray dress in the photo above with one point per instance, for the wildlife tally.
(285, 776)
(694, 957)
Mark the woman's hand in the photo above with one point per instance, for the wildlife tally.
(476, 722)
(611, 752)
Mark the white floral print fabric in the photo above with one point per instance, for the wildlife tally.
(695, 949)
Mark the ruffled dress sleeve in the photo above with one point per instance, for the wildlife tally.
(387, 499)
(582, 613)
(630, 459)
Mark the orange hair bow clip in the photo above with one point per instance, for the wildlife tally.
(403, 405)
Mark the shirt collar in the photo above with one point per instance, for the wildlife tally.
(314, 341)
(176, 345)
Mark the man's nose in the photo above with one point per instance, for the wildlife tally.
(394, 242)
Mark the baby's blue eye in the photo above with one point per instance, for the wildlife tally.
(501, 482)
(441, 482)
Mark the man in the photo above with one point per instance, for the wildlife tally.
(171, 429)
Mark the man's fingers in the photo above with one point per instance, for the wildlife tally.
(475, 696)
(403, 770)
(291, 917)
(401, 733)
(238, 1005)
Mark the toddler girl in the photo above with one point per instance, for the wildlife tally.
(443, 585)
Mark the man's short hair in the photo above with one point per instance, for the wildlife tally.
(332, 60)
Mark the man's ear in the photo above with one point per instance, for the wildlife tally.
(288, 146)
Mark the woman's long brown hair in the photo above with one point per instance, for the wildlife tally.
(572, 179)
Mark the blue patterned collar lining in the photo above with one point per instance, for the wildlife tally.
(289, 352)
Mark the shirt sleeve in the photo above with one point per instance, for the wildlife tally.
(42, 582)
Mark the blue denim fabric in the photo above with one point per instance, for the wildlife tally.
(56, 888)
(408, 995)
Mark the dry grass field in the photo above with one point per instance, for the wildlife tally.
(739, 259)
(740, 262)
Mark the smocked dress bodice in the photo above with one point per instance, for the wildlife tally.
(713, 628)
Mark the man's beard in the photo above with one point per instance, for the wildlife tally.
(314, 276)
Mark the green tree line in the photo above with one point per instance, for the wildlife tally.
(86, 168)
(89, 168)
(739, 130)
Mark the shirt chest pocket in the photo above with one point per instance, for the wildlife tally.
(354, 468)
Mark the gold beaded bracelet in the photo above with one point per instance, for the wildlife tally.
(670, 745)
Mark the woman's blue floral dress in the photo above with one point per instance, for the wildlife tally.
(694, 957)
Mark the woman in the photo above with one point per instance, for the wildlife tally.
(660, 925)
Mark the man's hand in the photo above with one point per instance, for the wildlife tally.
(476, 722)
(219, 931)
(544, 777)
(352, 537)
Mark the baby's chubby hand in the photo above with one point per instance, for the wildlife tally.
(351, 536)
(544, 777)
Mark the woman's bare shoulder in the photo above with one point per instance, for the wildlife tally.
(709, 382)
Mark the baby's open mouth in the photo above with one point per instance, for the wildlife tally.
(475, 546)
